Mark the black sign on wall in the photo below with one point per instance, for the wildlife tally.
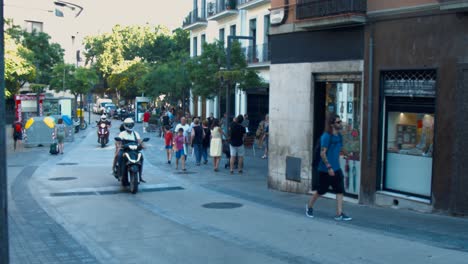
(318, 46)
(410, 83)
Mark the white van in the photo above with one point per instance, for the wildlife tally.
(98, 108)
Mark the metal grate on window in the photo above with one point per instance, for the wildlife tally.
(413, 83)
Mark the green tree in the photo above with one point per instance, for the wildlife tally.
(78, 81)
(133, 59)
(169, 79)
(126, 80)
(46, 54)
(18, 68)
(208, 71)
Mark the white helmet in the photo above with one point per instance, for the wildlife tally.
(103, 118)
(128, 124)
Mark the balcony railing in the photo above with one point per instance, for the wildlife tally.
(257, 54)
(321, 8)
(241, 2)
(194, 17)
(219, 6)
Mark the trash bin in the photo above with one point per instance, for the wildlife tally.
(38, 131)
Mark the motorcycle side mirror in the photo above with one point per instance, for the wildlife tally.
(146, 139)
(117, 139)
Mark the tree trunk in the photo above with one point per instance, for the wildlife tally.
(75, 106)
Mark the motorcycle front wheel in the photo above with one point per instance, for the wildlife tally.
(133, 182)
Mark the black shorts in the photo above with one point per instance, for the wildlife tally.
(17, 136)
(336, 182)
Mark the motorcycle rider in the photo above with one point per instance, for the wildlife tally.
(127, 135)
(103, 120)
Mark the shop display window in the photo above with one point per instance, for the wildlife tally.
(410, 134)
(409, 150)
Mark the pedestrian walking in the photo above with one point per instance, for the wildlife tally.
(17, 133)
(216, 144)
(59, 134)
(210, 120)
(187, 132)
(330, 174)
(236, 145)
(206, 141)
(246, 123)
(146, 118)
(266, 130)
(197, 136)
(259, 133)
(179, 142)
(168, 138)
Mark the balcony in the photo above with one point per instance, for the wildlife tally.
(220, 9)
(194, 20)
(249, 4)
(330, 13)
(258, 56)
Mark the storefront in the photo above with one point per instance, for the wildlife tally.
(408, 107)
(341, 94)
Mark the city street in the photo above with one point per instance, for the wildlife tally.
(70, 209)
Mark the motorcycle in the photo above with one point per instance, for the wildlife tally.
(133, 164)
(103, 134)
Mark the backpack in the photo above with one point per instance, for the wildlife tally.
(317, 158)
(18, 127)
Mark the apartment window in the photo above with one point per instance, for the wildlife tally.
(266, 27)
(221, 34)
(32, 26)
(195, 46)
(232, 30)
(202, 42)
(253, 28)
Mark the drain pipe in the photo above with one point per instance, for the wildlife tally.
(369, 96)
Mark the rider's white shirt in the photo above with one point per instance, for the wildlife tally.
(129, 136)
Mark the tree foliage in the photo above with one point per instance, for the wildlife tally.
(209, 72)
(18, 67)
(170, 79)
(126, 81)
(140, 59)
(67, 77)
(29, 57)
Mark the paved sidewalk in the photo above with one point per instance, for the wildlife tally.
(35, 237)
(432, 229)
(271, 227)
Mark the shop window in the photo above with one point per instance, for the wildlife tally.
(409, 147)
(409, 119)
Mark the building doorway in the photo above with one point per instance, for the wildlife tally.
(344, 99)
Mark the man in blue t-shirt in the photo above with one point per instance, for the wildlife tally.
(330, 174)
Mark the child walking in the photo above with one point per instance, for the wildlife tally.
(168, 138)
(179, 141)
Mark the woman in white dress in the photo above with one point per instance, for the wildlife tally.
(216, 143)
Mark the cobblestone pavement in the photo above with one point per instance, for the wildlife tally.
(35, 237)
